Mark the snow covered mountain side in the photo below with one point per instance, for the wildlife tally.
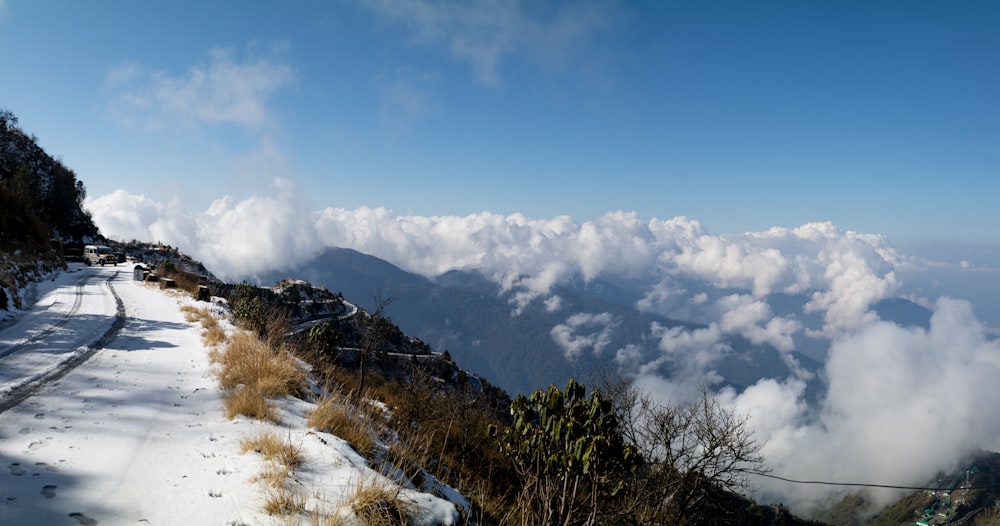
(138, 433)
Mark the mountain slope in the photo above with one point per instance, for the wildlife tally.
(465, 314)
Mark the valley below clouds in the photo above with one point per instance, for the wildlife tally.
(895, 400)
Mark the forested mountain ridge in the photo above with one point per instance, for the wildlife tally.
(41, 211)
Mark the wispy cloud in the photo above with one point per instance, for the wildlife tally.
(405, 95)
(486, 34)
(224, 89)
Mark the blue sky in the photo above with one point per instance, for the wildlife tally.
(879, 117)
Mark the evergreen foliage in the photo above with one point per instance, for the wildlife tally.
(568, 453)
(248, 308)
(40, 191)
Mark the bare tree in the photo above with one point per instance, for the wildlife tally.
(376, 327)
(693, 456)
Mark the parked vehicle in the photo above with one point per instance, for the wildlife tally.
(99, 255)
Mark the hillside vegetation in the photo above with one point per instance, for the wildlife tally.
(579, 455)
(41, 213)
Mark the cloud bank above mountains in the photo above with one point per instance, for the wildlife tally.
(886, 385)
(844, 272)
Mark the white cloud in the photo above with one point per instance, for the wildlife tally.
(844, 273)
(126, 216)
(234, 238)
(751, 318)
(224, 90)
(687, 356)
(777, 409)
(258, 234)
(486, 34)
(553, 303)
(583, 331)
(902, 404)
(629, 357)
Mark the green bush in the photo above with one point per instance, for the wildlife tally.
(569, 454)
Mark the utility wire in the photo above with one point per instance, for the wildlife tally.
(861, 484)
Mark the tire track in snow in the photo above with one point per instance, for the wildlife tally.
(26, 390)
(77, 301)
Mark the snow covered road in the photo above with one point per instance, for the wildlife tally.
(134, 435)
(76, 310)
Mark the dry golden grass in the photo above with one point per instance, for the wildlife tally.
(250, 372)
(269, 444)
(247, 361)
(192, 313)
(411, 456)
(249, 401)
(376, 503)
(338, 417)
(212, 333)
(283, 501)
(280, 497)
(274, 475)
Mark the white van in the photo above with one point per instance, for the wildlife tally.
(99, 255)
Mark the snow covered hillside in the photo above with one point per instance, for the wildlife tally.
(135, 433)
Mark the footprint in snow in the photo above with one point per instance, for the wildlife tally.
(16, 469)
(49, 491)
(39, 443)
(46, 467)
(83, 519)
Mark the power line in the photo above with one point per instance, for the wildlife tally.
(860, 484)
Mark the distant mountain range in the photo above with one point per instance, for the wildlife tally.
(466, 314)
